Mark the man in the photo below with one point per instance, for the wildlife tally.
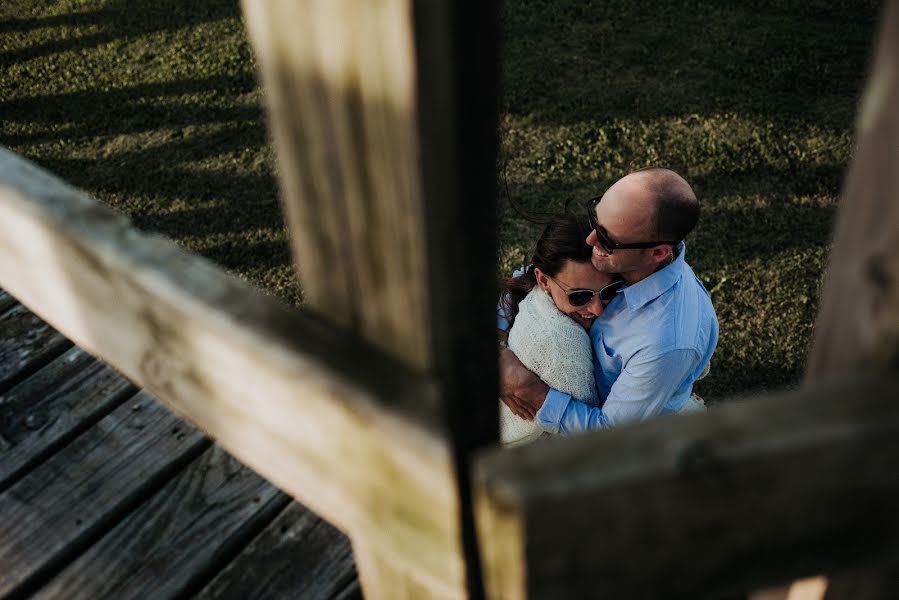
(657, 335)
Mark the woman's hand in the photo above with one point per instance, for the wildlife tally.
(519, 389)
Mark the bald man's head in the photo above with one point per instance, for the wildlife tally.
(676, 210)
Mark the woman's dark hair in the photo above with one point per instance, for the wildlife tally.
(563, 239)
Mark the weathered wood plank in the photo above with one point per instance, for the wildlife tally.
(50, 514)
(297, 556)
(384, 117)
(26, 344)
(327, 418)
(858, 323)
(749, 495)
(6, 302)
(178, 538)
(52, 407)
(340, 83)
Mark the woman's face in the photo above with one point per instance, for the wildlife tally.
(576, 276)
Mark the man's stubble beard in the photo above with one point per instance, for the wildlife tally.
(603, 265)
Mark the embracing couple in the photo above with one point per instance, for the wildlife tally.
(608, 324)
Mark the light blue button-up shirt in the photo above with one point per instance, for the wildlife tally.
(652, 342)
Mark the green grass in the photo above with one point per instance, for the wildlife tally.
(152, 106)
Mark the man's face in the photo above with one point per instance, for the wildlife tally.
(625, 215)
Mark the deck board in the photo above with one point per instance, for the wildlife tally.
(186, 530)
(26, 345)
(6, 301)
(298, 556)
(104, 493)
(55, 510)
(50, 408)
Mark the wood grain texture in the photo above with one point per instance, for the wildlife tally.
(26, 344)
(49, 515)
(749, 495)
(384, 117)
(49, 409)
(177, 538)
(858, 322)
(298, 555)
(328, 418)
(340, 85)
(857, 328)
(6, 302)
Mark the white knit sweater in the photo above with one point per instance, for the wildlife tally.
(557, 349)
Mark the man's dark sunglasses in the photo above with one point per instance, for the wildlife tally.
(578, 298)
(607, 244)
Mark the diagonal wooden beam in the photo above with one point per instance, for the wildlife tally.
(353, 433)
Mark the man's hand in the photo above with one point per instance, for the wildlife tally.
(520, 390)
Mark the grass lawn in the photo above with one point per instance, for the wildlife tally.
(152, 106)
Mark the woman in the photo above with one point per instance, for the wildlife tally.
(550, 307)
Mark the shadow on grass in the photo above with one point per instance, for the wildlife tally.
(92, 114)
(577, 60)
(118, 20)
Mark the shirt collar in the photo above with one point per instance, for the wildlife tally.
(644, 291)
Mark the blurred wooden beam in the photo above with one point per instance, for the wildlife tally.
(704, 505)
(858, 323)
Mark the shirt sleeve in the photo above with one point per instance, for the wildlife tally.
(639, 393)
(645, 385)
(561, 413)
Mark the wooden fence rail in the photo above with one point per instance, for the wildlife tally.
(350, 432)
(752, 494)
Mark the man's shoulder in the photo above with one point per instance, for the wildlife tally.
(671, 320)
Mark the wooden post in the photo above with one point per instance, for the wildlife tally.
(858, 323)
(384, 118)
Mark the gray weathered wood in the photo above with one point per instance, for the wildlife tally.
(52, 407)
(326, 417)
(299, 555)
(50, 514)
(6, 302)
(26, 345)
(858, 323)
(340, 83)
(384, 117)
(178, 538)
(697, 506)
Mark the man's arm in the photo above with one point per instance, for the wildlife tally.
(640, 392)
(520, 389)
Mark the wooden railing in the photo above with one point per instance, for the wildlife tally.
(375, 404)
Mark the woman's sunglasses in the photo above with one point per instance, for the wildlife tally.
(578, 297)
(608, 245)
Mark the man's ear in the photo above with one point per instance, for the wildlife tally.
(662, 254)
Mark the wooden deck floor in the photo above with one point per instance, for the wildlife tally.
(105, 494)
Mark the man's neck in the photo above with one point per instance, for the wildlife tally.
(636, 276)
